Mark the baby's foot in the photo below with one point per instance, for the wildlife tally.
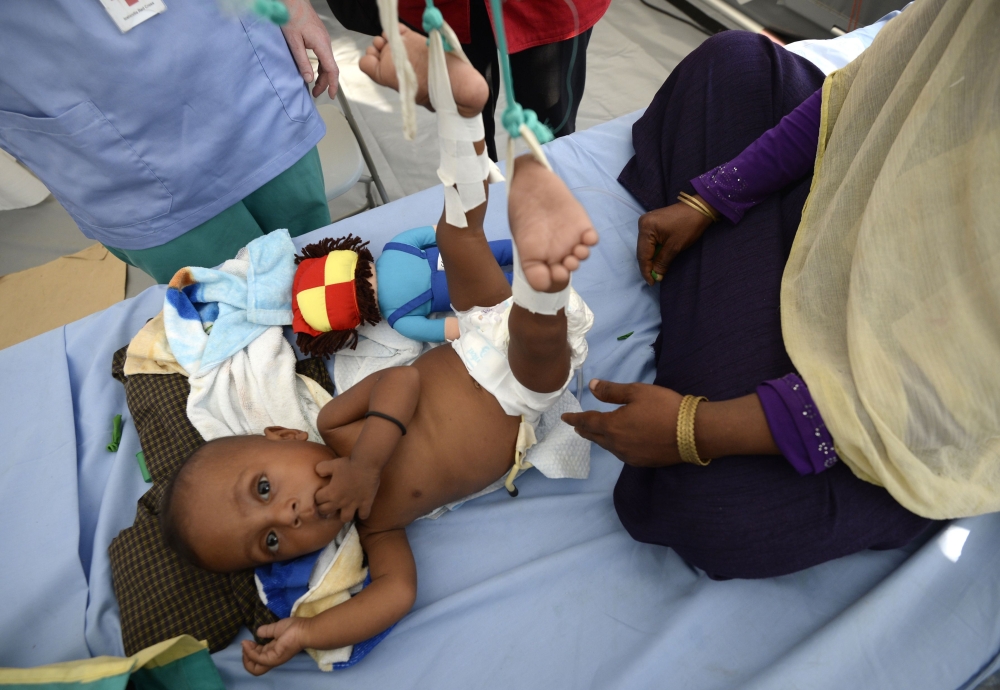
(552, 231)
(467, 85)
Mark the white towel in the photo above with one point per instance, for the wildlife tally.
(224, 327)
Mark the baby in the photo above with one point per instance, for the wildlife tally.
(406, 440)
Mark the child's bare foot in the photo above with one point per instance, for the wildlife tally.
(552, 231)
(467, 85)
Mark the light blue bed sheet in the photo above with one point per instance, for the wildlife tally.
(542, 591)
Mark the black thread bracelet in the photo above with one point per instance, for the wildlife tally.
(373, 413)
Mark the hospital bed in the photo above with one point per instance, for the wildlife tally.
(545, 590)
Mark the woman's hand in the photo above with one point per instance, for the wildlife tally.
(642, 433)
(304, 29)
(286, 641)
(672, 229)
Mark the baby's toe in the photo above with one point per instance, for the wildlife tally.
(590, 237)
(571, 263)
(559, 275)
(368, 64)
(581, 252)
(538, 275)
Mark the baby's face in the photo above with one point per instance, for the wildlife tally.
(259, 505)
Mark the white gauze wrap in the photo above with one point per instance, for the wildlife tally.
(536, 302)
(388, 13)
(462, 171)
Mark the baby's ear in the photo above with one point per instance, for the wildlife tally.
(280, 433)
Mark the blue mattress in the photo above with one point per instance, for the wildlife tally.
(542, 591)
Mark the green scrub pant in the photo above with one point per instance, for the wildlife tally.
(295, 199)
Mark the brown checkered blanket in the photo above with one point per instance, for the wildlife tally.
(160, 596)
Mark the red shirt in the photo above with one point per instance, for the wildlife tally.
(529, 23)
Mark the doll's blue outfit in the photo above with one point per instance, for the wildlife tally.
(412, 284)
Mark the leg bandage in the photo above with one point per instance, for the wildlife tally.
(462, 171)
(528, 298)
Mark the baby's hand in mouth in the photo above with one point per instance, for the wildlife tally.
(350, 492)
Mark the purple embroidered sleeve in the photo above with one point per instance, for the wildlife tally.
(796, 425)
(783, 154)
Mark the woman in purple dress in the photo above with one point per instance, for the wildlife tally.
(733, 130)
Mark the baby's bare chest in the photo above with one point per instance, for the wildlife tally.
(459, 442)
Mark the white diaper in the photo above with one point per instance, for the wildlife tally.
(482, 345)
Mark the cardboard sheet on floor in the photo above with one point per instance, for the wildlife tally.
(59, 292)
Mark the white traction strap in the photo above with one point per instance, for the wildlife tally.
(528, 298)
(461, 171)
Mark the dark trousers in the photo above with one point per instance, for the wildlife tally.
(543, 78)
(747, 516)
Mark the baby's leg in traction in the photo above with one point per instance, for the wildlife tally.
(552, 235)
(474, 277)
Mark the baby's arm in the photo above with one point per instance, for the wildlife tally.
(382, 603)
(354, 480)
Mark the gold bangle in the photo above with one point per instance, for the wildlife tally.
(699, 206)
(685, 430)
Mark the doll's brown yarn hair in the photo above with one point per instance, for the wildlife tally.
(330, 342)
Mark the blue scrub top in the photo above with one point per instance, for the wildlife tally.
(145, 135)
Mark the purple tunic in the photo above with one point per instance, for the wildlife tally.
(743, 515)
(796, 424)
(782, 155)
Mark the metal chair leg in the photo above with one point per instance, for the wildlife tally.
(342, 99)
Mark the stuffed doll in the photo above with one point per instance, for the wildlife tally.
(338, 286)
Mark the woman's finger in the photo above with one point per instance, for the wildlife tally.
(328, 70)
(661, 262)
(599, 439)
(591, 421)
(645, 247)
(297, 47)
(611, 392)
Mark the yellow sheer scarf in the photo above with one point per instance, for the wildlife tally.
(891, 296)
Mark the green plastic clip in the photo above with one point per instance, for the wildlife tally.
(116, 434)
(626, 336)
(140, 456)
(273, 10)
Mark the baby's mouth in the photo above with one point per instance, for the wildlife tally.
(319, 513)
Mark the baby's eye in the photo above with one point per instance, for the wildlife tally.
(264, 488)
(272, 542)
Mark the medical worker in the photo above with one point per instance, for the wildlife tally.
(171, 134)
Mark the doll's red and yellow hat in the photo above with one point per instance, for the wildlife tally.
(331, 294)
(323, 298)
